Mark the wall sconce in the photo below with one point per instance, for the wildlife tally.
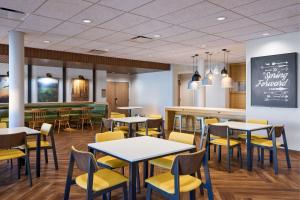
(81, 77)
(49, 75)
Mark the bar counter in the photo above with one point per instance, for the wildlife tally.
(224, 113)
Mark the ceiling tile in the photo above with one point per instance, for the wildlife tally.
(284, 22)
(58, 47)
(262, 6)
(147, 27)
(124, 5)
(244, 31)
(168, 32)
(94, 34)
(219, 43)
(62, 9)
(26, 6)
(227, 26)
(52, 38)
(39, 23)
(290, 28)
(152, 44)
(101, 46)
(196, 11)
(201, 40)
(231, 3)
(97, 14)
(30, 35)
(69, 29)
(4, 31)
(123, 21)
(73, 42)
(184, 36)
(256, 35)
(158, 8)
(116, 37)
(286, 12)
(9, 22)
(211, 20)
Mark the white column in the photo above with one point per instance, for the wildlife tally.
(16, 79)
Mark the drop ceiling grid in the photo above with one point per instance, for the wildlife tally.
(222, 36)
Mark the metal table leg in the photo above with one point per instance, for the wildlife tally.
(249, 149)
(132, 180)
(38, 154)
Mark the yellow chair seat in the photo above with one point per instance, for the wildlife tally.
(150, 133)
(111, 162)
(103, 179)
(32, 144)
(212, 137)
(165, 182)
(223, 142)
(149, 129)
(164, 162)
(122, 128)
(7, 154)
(253, 136)
(263, 142)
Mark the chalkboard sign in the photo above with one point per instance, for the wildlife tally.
(274, 81)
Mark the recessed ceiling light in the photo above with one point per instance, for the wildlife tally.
(46, 41)
(266, 34)
(106, 49)
(203, 46)
(156, 36)
(221, 18)
(87, 21)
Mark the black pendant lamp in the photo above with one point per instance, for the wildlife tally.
(194, 83)
(224, 71)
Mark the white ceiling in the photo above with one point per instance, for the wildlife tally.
(186, 27)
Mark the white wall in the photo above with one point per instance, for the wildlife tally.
(100, 84)
(216, 96)
(290, 117)
(152, 91)
(186, 95)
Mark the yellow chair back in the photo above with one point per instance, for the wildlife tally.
(257, 121)
(182, 137)
(108, 136)
(117, 115)
(210, 121)
(45, 129)
(154, 116)
(3, 125)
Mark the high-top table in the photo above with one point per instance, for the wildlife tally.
(130, 121)
(29, 132)
(139, 149)
(129, 108)
(248, 128)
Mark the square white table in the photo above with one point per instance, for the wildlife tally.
(29, 132)
(139, 149)
(248, 128)
(129, 108)
(129, 121)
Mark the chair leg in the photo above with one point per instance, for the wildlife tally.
(262, 157)
(55, 157)
(46, 155)
(108, 196)
(19, 168)
(219, 153)
(275, 161)
(192, 195)
(28, 170)
(151, 170)
(138, 181)
(104, 197)
(125, 191)
(82, 124)
(58, 130)
(228, 159)
(240, 156)
(11, 164)
(149, 191)
(258, 154)
(215, 148)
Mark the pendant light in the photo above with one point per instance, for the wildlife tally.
(224, 72)
(207, 81)
(227, 80)
(194, 83)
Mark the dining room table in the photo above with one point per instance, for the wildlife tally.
(29, 132)
(129, 108)
(248, 128)
(139, 149)
(130, 121)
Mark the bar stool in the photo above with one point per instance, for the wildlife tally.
(199, 120)
(180, 118)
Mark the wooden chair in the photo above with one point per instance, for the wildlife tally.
(272, 145)
(182, 177)
(46, 132)
(109, 161)
(8, 151)
(106, 125)
(119, 126)
(85, 117)
(95, 181)
(153, 127)
(207, 122)
(38, 118)
(224, 139)
(167, 161)
(63, 118)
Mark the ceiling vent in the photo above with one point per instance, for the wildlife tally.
(140, 39)
(12, 14)
(97, 51)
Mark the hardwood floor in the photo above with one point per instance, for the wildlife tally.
(240, 184)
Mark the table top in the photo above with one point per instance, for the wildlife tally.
(140, 148)
(129, 107)
(243, 126)
(130, 120)
(29, 131)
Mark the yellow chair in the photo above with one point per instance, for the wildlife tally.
(153, 127)
(46, 131)
(154, 116)
(167, 161)
(3, 125)
(8, 150)
(210, 121)
(254, 136)
(95, 181)
(119, 127)
(224, 139)
(272, 145)
(182, 177)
